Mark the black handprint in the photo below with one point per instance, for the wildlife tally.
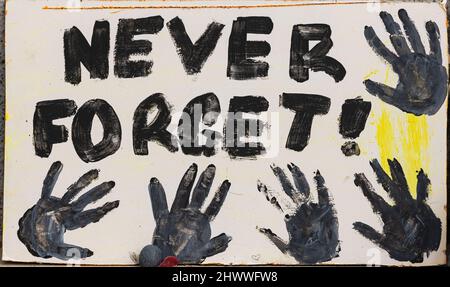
(185, 231)
(42, 227)
(422, 84)
(313, 227)
(410, 226)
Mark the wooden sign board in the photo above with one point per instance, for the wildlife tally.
(225, 132)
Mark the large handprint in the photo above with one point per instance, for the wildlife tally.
(42, 227)
(410, 226)
(313, 227)
(422, 84)
(185, 231)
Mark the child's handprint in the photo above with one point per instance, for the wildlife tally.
(410, 226)
(42, 227)
(422, 83)
(313, 227)
(185, 231)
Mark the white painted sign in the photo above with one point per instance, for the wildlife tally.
(301, 132)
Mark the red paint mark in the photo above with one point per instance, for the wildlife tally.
(169, 261)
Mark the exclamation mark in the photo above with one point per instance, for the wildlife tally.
(352, 122)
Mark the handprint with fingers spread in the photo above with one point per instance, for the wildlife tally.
(185, 232)
(422, 84)
(411, 229)
(312, 227)
(42, 227)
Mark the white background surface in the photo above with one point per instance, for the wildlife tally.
(35, 72)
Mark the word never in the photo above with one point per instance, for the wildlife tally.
(241, 65)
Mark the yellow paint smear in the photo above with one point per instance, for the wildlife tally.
(407, 141)
(385, 139)
(370, 74)
(414, 142)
